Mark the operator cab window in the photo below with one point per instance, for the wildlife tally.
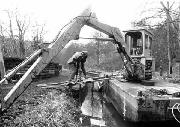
(148, 42)
(135, 42)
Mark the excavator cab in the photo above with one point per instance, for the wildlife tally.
(139, 47)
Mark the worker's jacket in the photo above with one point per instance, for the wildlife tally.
(78, 57)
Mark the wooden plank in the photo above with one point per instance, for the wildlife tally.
(53, 84)
(28, 60)
(20, 86)
(2, 67)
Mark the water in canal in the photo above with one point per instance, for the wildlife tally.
(96, 112)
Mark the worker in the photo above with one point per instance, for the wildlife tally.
(77, 61)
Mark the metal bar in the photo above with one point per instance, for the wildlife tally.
(100, 39)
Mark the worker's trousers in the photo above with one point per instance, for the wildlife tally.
(73, 71)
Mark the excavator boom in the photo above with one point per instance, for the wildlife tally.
(71, 32)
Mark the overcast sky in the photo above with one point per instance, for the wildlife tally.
(56, 13)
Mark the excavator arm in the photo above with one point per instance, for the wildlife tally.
(44, 56)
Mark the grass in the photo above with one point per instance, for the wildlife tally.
(42, 108)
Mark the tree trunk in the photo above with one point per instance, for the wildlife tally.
(169, 50)
(169, 19)
(22, 48)
(97, 52)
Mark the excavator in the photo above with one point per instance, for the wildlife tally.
(138, 60)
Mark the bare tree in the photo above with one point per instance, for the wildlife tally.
(22, 26)
(10, 31)
(168, 18)
(11, 34)
(2, 36)
(16, 30)
(97, 35)
(38, 35)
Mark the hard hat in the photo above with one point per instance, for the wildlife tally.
(85, 53)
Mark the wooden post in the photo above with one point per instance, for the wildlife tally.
(2, 67)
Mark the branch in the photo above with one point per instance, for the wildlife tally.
(11, 34)
(169, 17)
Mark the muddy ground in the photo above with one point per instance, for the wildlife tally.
(38, 107)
